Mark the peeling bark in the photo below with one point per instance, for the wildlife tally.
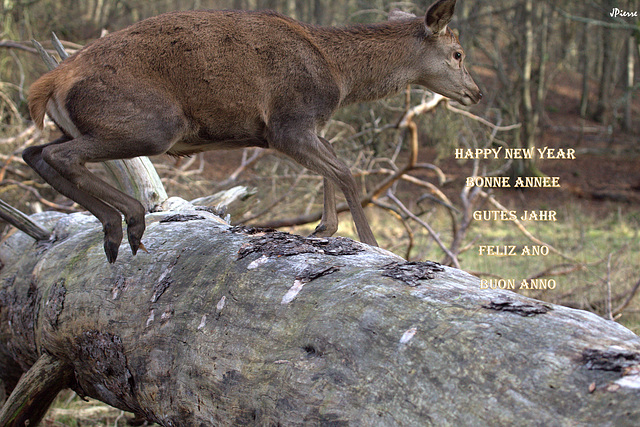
(525, 309)
(222, 325)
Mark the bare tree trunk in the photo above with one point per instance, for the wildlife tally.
(584, 65)
(529, 112)
(543, 51)
(603, 108)
(318, 12)
(226, 326)
(628, 102)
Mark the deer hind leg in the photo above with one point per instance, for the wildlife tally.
(109, 217)
(108, 122)
(308, 150)
(69, 159)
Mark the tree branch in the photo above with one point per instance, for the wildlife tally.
(22, 222)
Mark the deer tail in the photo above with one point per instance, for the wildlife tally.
(39, 94)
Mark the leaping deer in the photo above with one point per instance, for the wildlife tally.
(186, 82)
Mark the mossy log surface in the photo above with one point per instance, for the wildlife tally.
(228, 326)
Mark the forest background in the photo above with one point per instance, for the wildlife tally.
(562, 75)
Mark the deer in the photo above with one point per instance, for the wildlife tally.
(185, 82)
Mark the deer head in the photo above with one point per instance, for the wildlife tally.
(441, 57)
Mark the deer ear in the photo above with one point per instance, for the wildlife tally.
(439, 15)
(398, 15)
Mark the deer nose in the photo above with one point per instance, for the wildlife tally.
(474, 96)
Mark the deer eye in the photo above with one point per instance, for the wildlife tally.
(457, 56)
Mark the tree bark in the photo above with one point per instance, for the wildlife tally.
(228, 326)
(21, 221)
(627, 124)
(603, 113)
(530, 117)
(584, 65)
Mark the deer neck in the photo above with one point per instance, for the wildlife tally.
(372, 61)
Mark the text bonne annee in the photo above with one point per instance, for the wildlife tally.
(514, 153)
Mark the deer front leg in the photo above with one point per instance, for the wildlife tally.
(308, 150)
(329, 221)
(109, 217)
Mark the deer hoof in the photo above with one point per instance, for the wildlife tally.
(320, 231)
(112, 239)
(135, 244)
(323, 231)
(111, 249)
(320, 228)
(135, 230)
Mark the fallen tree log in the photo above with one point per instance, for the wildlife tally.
(221, 325)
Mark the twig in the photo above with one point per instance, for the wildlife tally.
(17, 45)
(590, 21)
(441, 176)
(246, 162)
(627, 301)
(11, 104)
(10, 44)
(396, 213)
(55, 41)
(36, 193)
(48, 59)
(440, 198)
(557, 270)
(481, 120)
(115, 422)
(22, 222)
(608, 302)
(276, 201)
(28, 132)
(484, 274)
(435, 237)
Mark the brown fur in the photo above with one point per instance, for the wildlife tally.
(39, 94)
